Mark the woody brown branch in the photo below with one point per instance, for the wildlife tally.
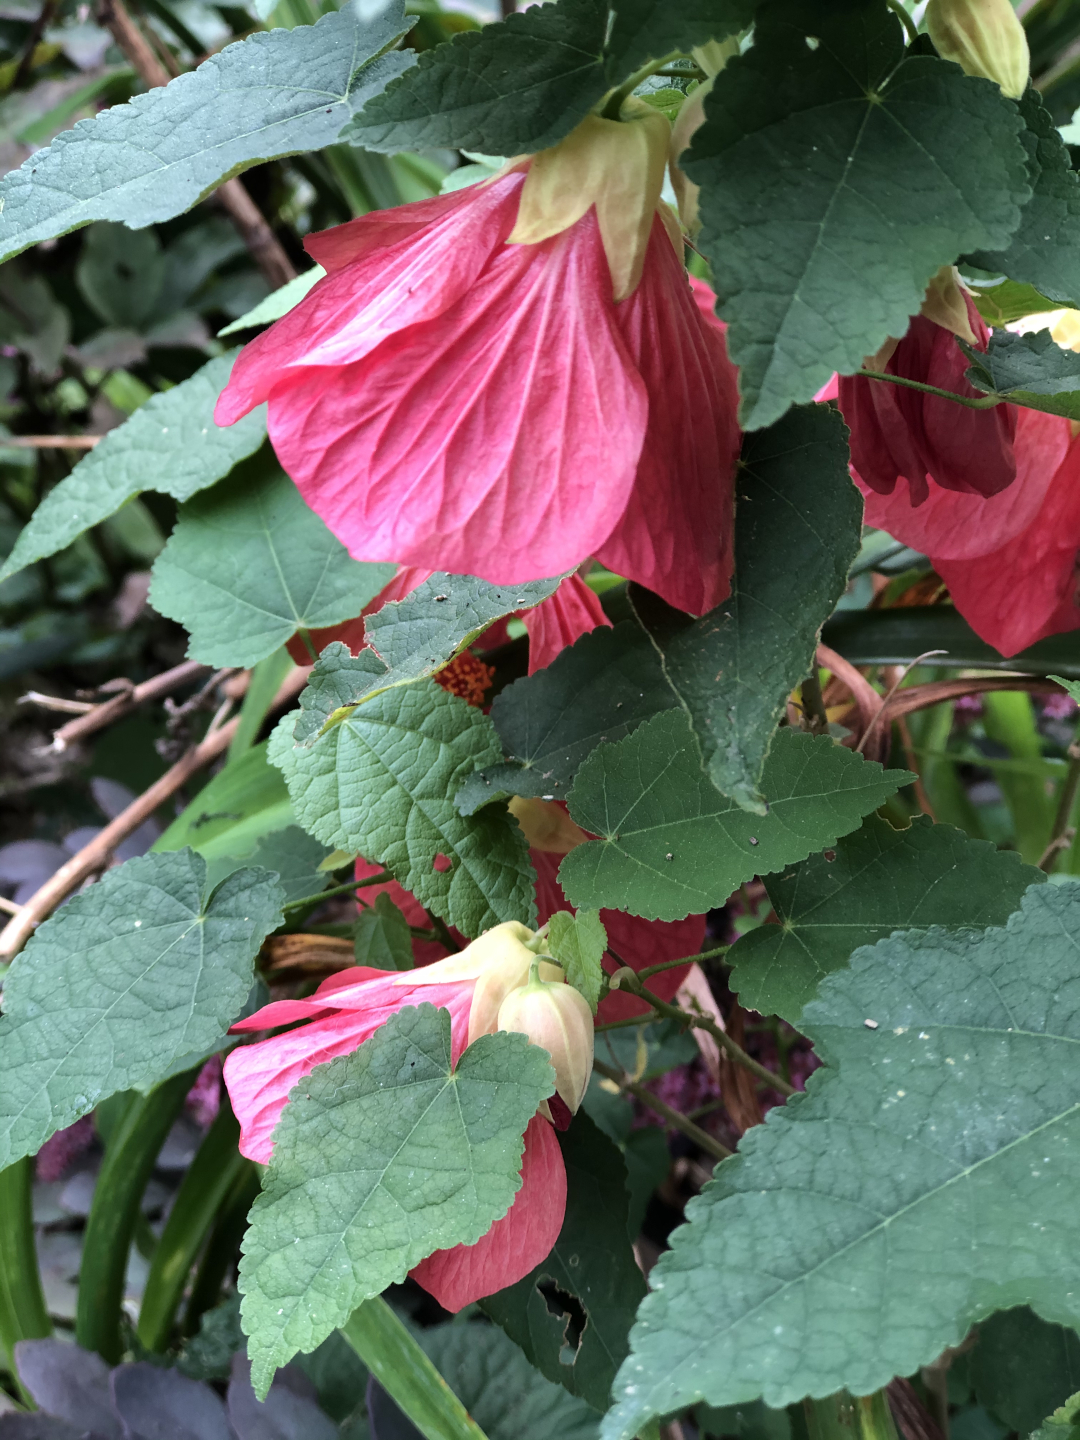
(256, 234)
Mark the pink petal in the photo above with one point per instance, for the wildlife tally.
(499, 439)
(1028, 588)
(829, 391)
(637, 942)
(514, 1245)
(260, 1076)
(278, 1012)
(957, 526)
(899, 433)
(560, 620)
(402, 271)
(676, 534)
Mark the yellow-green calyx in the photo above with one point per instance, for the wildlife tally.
(558, 1019)
(616, 166)
(984, 37)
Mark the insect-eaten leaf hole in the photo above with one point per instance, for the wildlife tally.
(561, 1302)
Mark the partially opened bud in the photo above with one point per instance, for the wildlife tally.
(616, 165)
(945, 302)
(984, 37)
(558, 1019)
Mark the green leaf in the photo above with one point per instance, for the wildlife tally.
(598, 689)
(381, 784)
(276, 93)
(897, 636)
(1071, 687)
(876, 880)
(836, 177)
(502, 1391)
(593, 1264)
(1063, 1424)
(132, 981)
(278, 303)
(230, 814)
(414, 638)
(577, 942)
(170, 444)
(523, 84)
(380, 1158)
(382, 937)
(1045, 250)
(1008, 300)
(292, 854)
(249, 565)
(120, 274)
(797, 530)
(671, 845)
(1022, 1368)
(925, 1179)
(1031, 370)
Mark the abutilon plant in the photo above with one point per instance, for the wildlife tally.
(543, 777)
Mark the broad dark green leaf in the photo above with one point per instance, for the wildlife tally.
(897, 636)
(170, 444)
(1022, 1368)
(874, 881)
(413, 638)
(1008, 300)
(836, 177)
(1045, 250)
(382, 937)
(381, 784)
(671, 845)
(380, 1158)
(132, 981)
(577, 940)
(1031, 370)
(294, 856)
(598, 689)
(120, 274)
(522, 85)
(249, 565)
(273, 94)
(502, 1392)
(593, 1264)
(797, 530)
(927, 1178)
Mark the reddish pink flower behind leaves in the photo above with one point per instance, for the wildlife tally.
(903, 434)
(560, 620)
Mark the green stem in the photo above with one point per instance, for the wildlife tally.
(406, 1374)
(850, 1417)
(304, 636)
(1058, 841)
(22, 1306)
(983, 402)
(378, 879)
(688, 960)
(613, 105)
(204, 1190)
(680, 1121)
(223, 1246)
(129, 1159)
(813, 703)
(442, 933)
(629, 981)
(909, 24)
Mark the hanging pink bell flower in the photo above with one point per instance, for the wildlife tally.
(898, 433)
(344, 1012)
(506, 380)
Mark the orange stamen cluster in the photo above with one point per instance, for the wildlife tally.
(467, 676)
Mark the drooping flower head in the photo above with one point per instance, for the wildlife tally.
(474, 986)
(510, 378)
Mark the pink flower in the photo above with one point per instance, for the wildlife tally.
(899, 433)
(344, 1012)
(508, 379)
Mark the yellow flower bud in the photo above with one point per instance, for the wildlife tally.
(984, 37)
(945, 303)
(616, 165)
(558, 1019)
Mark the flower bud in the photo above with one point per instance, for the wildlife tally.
(558, 1019)
(616, 165)
(945, 303)
(984, 37)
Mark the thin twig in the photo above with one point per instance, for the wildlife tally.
(628, 980)
(256, 234)
(9, 907)
(674, 1117)
(93, 857)
(379, 879)
(56, 702)
(120, 705)
(892, 691)
(49, 442)
(1066, 801)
